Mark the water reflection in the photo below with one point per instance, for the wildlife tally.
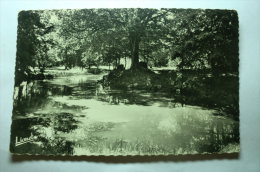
(77, 115)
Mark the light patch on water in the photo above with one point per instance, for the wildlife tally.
(168, 117)
(75, 79)
(168, 125)
(189, 121)
(105, 112)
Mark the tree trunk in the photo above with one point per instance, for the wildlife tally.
(135, 52)
(117, 61)
(125, 62)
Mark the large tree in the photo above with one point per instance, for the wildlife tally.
(33, 43)
(205, 39)
(28, 28)
(124, 29)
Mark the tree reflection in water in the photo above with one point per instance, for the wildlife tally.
(77, 115)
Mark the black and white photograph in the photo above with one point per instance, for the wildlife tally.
(126, 81)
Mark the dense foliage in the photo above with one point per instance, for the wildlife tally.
(177, 38)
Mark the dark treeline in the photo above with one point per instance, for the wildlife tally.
(184, 39)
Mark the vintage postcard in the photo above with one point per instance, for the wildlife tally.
(126, 81)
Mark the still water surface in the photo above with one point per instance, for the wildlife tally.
(76, 115)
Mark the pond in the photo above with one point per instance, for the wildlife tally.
(76, 115)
